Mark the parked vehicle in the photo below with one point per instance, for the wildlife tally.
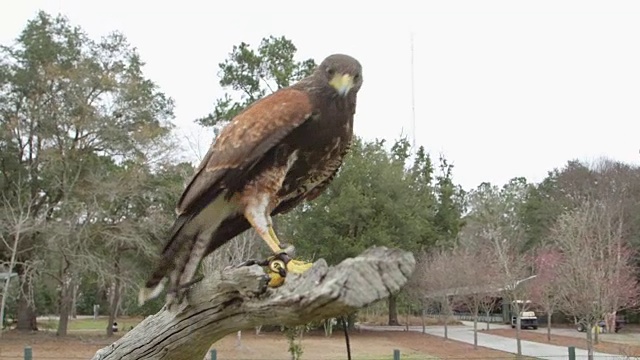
(619, 323)
(528, 319)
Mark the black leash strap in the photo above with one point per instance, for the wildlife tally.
(346, 336)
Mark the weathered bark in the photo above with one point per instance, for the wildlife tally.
(238, 298)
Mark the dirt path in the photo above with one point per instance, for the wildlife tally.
(366, 345)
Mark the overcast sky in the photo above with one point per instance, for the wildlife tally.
(502, 88)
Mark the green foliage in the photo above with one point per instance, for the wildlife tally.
(370, 202)
(251, 74)
(85, 155)
(450, 206)
(294, 336)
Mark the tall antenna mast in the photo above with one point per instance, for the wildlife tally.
(413, 98)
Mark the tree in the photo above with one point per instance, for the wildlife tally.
(249, 75)
(129, 226)
(545, 288)
(478, 277)
(450, 205)
(68, 104)
(596, 276)
(440, 282)
(375, 199)
(543, 203)
(15, 225)
(495, 221)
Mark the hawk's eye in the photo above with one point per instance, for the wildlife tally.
(331, 71)
(357, 77)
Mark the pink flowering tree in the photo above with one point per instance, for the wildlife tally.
(597, 275)
(545, 291)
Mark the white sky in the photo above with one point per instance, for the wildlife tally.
(503, 88)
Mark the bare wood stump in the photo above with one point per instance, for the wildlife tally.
(238, 298)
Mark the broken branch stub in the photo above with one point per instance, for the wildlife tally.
(238, 298)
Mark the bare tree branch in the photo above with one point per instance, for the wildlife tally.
(238, 298)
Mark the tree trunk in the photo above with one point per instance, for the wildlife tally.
(422, 318)
(446, 318)
(596, 333)
(64, 306)
(26, 314)
(406, 319)
(5, 293)
(393, 311)
(611, 322)
(74, 300)
(518, 329)
(7, 281)
(488, 313)
(239, 338)
(113, 306)
(238, 298)
(475, 331)
(549, 326)
(115, 296)
(589, 341)
(328, 327)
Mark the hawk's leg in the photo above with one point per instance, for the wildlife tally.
(280, 263)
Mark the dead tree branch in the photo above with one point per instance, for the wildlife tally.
(238, 298)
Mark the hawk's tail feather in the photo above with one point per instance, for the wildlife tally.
(191, 237)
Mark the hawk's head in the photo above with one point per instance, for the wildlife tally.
(342, 72)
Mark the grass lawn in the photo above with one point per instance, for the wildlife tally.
(99, 324)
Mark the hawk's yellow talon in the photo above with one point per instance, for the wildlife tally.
(274, 269)
(275, 280)
(298, 267)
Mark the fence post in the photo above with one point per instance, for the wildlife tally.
(28, 353)
(214, 354)
(572, 353)
(396, 354)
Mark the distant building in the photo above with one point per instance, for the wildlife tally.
(5, 275)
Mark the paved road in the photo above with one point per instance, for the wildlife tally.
(529, 348)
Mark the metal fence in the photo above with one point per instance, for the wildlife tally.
(481, 318)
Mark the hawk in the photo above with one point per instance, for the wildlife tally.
(279, 151)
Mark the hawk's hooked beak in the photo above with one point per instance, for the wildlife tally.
(342, 83)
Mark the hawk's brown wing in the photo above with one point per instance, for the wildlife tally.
(243, 142)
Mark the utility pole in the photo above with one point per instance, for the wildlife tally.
(413, 98)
